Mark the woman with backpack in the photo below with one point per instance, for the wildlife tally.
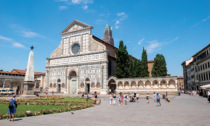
(12, 108)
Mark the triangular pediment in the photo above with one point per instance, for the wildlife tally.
(76, 26)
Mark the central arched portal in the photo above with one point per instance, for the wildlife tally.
(73, 82)
(112, 85)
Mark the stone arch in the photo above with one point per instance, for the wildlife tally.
(92, 85)
(140, 84)
(7, 84)
(126, 85)
(155, 84)
(171, 84)
(1, 83)
(163, 84)
(51, 85)
(54, 85)
(120, 85)
(72, 73)
(112, 85)
(82, 85)
(133, 84)
(63, 85)
(98, 85)
(147, 84)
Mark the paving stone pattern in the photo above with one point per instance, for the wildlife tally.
(181, 111)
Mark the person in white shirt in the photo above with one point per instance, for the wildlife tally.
(209, 96)
(154, 97)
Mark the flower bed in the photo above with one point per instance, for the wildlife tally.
(61, 104)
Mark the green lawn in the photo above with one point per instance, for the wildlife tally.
(23, 108)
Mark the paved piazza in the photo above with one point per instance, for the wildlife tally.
(182, 111)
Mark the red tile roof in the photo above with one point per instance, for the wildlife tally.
(150, 61)
(20, 72)
(180, 77)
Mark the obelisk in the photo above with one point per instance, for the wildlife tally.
(29, 76)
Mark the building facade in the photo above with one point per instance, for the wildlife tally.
(15, 80)
(83, 62)
(180, 82)
(197, 70)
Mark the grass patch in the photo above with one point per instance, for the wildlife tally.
(44, 105)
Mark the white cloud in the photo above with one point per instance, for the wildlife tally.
(81, 1)
(202, 21)
(140, 41)
(25, 32)
(5, 38)
(116, 27)
(117, 22)
(154, 45)
(120, 17)
(29, 34)
(18, 45)
(205, 19)
(121, 14)
(14, 43)
(61, 0)
(85, 7)
(63, 7)
(76, 1)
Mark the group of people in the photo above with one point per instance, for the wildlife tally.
(124, 98)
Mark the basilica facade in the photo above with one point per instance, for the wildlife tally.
(84, 63)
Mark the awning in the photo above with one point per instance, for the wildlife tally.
(207, 86)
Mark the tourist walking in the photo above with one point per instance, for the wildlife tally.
(119, 98)
(114, 99)
(137, 97)
(125, 98)
(110, 98)
(158, 99)
(154, 97)
(12, 108)
(147, 97)
(87, 97)
(121, 94)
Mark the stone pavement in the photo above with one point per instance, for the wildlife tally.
(181, 111)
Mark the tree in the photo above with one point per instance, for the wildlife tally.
(159, 67)
(131, 68)
(122, 62)
(144, 64)
(138, 68)
(1, 69)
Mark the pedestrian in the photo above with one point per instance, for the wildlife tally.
(52, 92)
(134, 95)
(154, 97)
(125, 98)
(158, 99)
(209, 96)
(119, 98)
(114, 99)
(95, 97)
(137, 97)
(110, 98)
(87, 97)
(12, 108)
(147, 97)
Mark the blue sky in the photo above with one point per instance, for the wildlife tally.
(176, 28)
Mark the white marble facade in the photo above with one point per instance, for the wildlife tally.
(76, 69)
(80, 64)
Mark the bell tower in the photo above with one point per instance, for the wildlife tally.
(108, 35)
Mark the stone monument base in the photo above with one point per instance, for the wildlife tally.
(28, 88)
